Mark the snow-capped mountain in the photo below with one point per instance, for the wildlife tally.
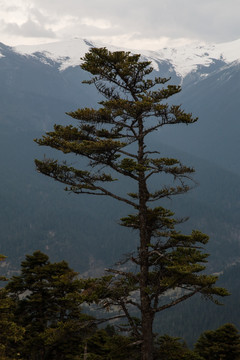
(188, 58)
(184, 59)
(209, 74)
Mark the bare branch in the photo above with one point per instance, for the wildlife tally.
(175, 302)
(130, 320)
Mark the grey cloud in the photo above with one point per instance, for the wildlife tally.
(29, 29)
(214, 20)
(206, 20)
(39, 17)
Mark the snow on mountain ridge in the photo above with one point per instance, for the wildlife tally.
(1, 55)
(67, 53)
(184, 59)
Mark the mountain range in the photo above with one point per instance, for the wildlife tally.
(39, 84)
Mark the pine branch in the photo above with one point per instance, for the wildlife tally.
(130, 320)
(175, 302)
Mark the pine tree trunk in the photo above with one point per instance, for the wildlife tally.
(146, 311)
(147, 345)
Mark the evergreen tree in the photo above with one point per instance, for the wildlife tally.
(171, 348)
(48, 307)
(10, 333)
(220, 344)
(105, 346)
(114, 137)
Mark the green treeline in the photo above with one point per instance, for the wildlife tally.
(44, 316)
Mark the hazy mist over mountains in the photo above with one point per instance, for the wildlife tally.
(39, 84)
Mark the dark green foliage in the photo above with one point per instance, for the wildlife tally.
(41, 319)
(105, 346)
(171, 348)
(10, 332)
(47, 305)
(220, 344)
(113, 140)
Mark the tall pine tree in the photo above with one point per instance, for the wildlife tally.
(113, 139)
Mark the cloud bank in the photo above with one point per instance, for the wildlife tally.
(139, 24)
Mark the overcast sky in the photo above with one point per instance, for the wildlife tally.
(149, 24)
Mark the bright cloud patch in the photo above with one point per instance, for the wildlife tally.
(14, 11)
(98, 23)
(20, 20)
(156, 23)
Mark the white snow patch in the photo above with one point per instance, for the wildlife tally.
(67, 53)
(230, 50)
(184, 59)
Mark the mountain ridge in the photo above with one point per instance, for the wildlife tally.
(184, 59)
